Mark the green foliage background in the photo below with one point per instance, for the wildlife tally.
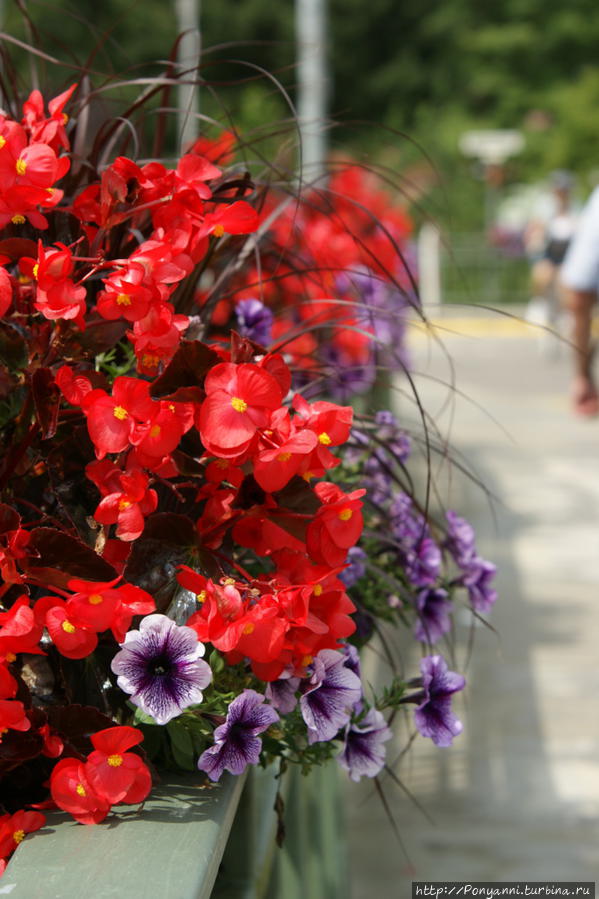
(428, 70)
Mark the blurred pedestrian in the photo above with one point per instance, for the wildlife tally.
(580, 279)
(546, 240)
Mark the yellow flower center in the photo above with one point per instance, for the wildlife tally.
(218, 231)
(123, 504)
(308, 475)
(95, 599)
(324, 439)
(115, 761)
(11, 657)
(306, 661)
(2, 141)
(123, 299)
(149, 360)
(228, 581)
(21, 166)
(171, 407)
(120, 412)
(65, 118)
(238, 404)
(50, 191)
(35, 270)
(155, 431)
(317, 591)
(18, 836)
(80, 790)
(283, 457)
(345, 514)
(18, 219)
(68, 627)
(249, 628)
(201, 596)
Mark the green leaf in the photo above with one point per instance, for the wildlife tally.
(182, 745)
(141, 717)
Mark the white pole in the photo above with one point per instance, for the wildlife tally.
(188, 57)
(429, 267)
(310, 24)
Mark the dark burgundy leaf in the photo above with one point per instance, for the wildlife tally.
(186, 395)
(186, 465)
(168, 527)
(243, 349)
(250, 493)
(9, 518)
(298, 496)
(294, 526)
(46, 398)
(99, 336)
(17, 747)
(55, 557)
(76, 723)
(16, 247)
(188, 368)
(13, 348)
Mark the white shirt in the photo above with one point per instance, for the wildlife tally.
(580, 270)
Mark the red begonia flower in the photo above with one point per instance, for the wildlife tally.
(14, 828)
(53, 745)
(8, 685)
(72, 638)
(114, 773)
(236, 218)
(12, 716)
(239, 401)
(73, 793)
(337, 525)
(5, 291)
(19, 630)
(112, 420)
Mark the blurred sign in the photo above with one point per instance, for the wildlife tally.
(492, 147)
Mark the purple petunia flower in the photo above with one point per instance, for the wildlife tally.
(477, 579)
(395, 440)
(419, 553)
(161, 669)
(433, 608)
(423, 562)
(329, 695)
(434, 717)
(345, 377)
(281, 693)
(363, 754)
(236, 742)
(356, 567)
(407, 527)
(460, 538)
(254, 320)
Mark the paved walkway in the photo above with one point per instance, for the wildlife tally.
(517, 796)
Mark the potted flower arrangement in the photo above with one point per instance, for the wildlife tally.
(198, 532)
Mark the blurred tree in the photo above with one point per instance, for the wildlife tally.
(430, 69)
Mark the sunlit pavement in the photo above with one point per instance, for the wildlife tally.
(517, 796)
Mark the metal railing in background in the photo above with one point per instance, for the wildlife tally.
(467, 268)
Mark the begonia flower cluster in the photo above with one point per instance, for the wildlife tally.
(187, 559)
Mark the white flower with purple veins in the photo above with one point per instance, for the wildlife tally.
(329, 696)
(433, 716)
(363, 754)
(237, 743)
(161, 668)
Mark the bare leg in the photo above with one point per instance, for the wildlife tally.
(584, 392)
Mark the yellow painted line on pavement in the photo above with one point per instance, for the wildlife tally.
(471, 326)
